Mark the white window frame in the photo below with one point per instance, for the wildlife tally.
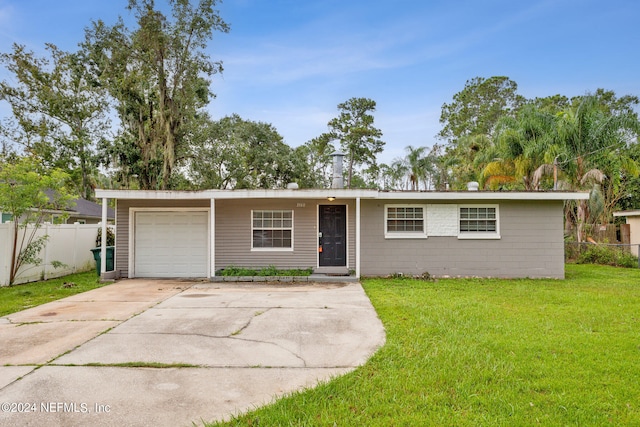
(407, 234)
(479, 234)
(290, 249)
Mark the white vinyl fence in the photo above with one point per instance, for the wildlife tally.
(70, 244)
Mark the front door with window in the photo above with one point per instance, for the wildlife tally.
(332, 236)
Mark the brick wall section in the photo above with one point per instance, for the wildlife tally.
(531, 245)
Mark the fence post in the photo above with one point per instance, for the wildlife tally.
(6, 263)
(45, 266)
(74, 269)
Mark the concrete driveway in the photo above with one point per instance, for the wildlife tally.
(173, 353)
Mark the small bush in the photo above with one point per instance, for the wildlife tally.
(606, 255)
(426, 276)
(265, 271)
(111, 237)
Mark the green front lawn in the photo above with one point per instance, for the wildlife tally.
(469, 352)
(20, 297)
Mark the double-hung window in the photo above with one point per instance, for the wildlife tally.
(405, 221)
(272, 229)
(479, 222)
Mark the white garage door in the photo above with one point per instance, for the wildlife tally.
(171, 244)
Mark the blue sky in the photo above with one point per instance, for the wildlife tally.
(291, 62)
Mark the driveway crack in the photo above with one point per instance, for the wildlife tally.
(246, 325)
(235, 334)
(296, 355)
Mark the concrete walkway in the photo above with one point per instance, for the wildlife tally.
(173, 353)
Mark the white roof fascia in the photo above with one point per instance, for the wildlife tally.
(297, 194)
(236, 194)
(484, 195)
(627, 213)
(337, 194)
(152, 194)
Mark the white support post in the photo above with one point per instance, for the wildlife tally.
(212, 238)
(45, 266)
(358, 237)
(5, 263)
(103, 243)
(74, 268)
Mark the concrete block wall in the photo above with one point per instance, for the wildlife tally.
(531, 243)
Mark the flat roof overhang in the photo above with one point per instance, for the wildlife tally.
(627, 213)
(340, 194)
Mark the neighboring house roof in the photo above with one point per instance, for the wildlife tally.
(627, 213)
(88, 209)
(82, 208)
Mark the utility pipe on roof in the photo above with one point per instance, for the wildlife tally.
(337, 180)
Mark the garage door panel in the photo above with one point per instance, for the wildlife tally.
(171, 244)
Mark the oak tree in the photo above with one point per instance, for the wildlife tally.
(478, 107)
(59, 111)
(158, 74)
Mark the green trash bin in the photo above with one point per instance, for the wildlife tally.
(96, 256)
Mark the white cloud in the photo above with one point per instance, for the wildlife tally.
(281, 64)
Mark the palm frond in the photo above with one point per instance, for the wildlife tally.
(630, 166)
(494, 181)
(596, 203)
(542, 171)
(593, 175)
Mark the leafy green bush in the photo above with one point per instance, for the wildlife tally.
(111, 237)
(265, 271)
(426, 276)
(606, 255)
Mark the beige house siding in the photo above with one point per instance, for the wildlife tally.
(531, 245)
(634, 232)
(233, 233)
(121, 262)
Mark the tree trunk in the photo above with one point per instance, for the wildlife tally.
(582, 214)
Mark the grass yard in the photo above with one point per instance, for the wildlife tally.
(473, 352)
(20, 297)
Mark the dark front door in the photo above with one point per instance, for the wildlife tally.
(332, 237)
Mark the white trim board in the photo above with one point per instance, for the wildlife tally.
(339, 195)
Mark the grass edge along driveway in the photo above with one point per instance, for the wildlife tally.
(469, 352)
(20, 297)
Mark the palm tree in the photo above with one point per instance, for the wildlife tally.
(466, 160)
(393, 175)
(443, 165)
(590, 153)
(419, 167)
(521, 144)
